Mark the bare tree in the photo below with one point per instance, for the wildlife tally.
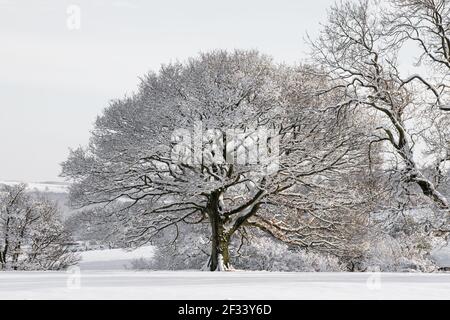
(360, 56)
(427, 24)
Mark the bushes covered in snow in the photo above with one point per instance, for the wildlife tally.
(190, 251)
(400, 241)
(401, 245)
(388, 254)
(32, 236)
(270, 255)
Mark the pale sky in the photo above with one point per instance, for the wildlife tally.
(55, 81)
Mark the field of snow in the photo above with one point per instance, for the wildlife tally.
(232, 285)
(106, 274)
(102, 274)
(115, 259)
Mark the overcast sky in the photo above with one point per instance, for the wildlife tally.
(54, 81)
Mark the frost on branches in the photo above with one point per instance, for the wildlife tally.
(358, 51)
(130, 164)
(32, 236)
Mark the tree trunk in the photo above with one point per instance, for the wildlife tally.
(220, 257)
(3, 255)
(2, 261)
(15, 257)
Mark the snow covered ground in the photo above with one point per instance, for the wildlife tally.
(115, 259)
(103, 274)
(232, 285)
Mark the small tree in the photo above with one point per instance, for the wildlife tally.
(31, 235)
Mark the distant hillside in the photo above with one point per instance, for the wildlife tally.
(55, 191)
(54, 187)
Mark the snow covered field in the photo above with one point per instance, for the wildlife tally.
(233, 285)
(114, 259)
(102, 274)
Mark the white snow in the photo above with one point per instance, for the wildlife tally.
(113, 259)
(225, 285)
(54, 187)
(102, 275)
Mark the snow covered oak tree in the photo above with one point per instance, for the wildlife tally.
(129, 164)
